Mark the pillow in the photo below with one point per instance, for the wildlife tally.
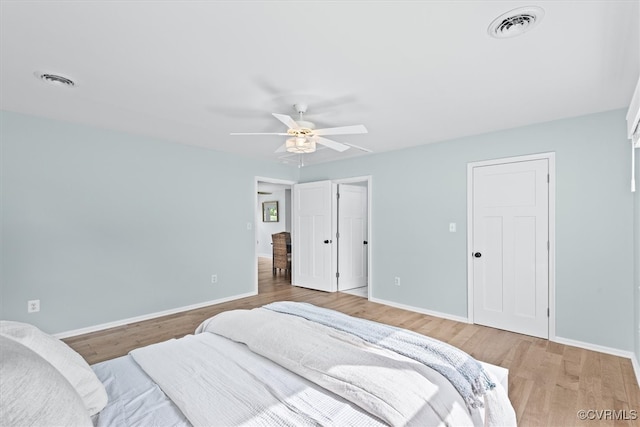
(34, 393)
(69, 363)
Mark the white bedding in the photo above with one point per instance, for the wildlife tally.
(214, 389)
(134, 399)
(386, 384)
(229, 374)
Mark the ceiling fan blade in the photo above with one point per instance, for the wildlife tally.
(258, 133)
(358, 147)
(338, 146)
(287, 120)
(281, 149)
(343, 130)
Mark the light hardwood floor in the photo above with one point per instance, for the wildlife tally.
(548, 382)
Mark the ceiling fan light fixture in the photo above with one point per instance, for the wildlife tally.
(300, 145)
(302, 136)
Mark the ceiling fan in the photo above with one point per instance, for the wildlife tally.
(303, 135)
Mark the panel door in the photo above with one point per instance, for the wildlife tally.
(352, 241)
(312, 244)
(510, 246)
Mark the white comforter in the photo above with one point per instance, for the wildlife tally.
(342, 380)
(218, 382)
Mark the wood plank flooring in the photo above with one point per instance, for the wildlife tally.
(548, 382)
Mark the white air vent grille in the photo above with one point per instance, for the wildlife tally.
(55, 79)
(515, 22)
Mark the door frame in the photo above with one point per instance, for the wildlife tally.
(369, 180)
(551, 158)
(257, 214)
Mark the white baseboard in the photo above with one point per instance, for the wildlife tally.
(420, 310)
(602, 349)
(149, 316)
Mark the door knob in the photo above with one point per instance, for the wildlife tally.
(477, 254)
(327, 242)
(365, 243)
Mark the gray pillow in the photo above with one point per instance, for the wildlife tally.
(34, 393)
(69, 363)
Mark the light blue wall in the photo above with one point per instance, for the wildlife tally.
(417, 192)
(103, 226)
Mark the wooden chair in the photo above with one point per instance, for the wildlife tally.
(281, 256)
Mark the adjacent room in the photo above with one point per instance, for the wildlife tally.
(320, 213)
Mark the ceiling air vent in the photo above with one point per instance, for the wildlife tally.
(515, 22)
(55, 79)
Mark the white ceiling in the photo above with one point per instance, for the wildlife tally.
(413, 72)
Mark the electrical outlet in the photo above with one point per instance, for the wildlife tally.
(214, 278)
(396, 281)
(33, 306)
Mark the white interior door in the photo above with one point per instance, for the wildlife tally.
(312, 246)
(352, 240)
(511, 246)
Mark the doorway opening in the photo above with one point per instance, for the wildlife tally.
(274, 195)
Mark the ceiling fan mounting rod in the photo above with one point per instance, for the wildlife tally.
(300, 109)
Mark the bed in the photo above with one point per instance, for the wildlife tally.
(285, 363)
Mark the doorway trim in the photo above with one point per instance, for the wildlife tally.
(369, 180)
(551, 158)
(257, 214)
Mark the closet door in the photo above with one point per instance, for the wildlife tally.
(352, 240)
